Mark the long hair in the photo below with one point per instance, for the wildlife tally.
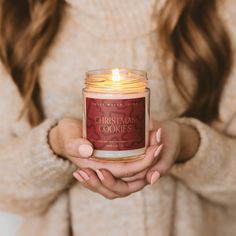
(191, 33)
(27, 30)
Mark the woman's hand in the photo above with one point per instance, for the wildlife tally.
(66, 140)
(180, 144)
(121, 179)
(104, 183)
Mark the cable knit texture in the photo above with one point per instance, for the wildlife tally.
(196, 198)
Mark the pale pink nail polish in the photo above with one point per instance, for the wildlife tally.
(155, 176)
(100, 175)
(84, 175)
(158, 135)
(85, 150)
(78, 177)
(158, 150)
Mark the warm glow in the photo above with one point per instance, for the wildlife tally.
(116, 75)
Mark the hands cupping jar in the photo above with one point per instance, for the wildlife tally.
(115, 151)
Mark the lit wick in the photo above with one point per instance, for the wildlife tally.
(116, 75)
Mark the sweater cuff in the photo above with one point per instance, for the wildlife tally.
(205, 162)
(50, 167)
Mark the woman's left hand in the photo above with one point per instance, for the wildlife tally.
(104, 183)
(173, 141)
(180, 144)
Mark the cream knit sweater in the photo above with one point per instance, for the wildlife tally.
(197, 198)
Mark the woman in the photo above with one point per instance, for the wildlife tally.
(47, 46)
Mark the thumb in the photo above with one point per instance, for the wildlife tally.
(69, 132)
(79, 147)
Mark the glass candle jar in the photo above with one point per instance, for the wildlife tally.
(116, 113)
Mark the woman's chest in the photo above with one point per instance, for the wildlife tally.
(63, 73)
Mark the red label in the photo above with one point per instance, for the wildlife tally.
(116, 124)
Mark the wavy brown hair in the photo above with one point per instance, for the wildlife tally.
(27, 30)
(191, 33)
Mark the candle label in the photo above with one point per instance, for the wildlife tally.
(116, 124)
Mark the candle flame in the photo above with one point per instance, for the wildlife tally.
(116, 75)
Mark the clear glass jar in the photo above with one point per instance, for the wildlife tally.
(116, 113)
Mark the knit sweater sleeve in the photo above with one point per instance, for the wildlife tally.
(211, 172)
(31, 175)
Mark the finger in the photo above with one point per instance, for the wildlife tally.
(74, 145)
(166, 161)
(138, 176)
(89, 179)
(155, 137)
(124, 169)
(118, 186)
(132, 168)
(78, 147)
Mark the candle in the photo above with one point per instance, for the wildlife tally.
(116, 113)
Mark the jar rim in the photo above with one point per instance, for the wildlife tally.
(122, 71)
(116, 80)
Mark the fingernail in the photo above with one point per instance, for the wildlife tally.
(78, 177)
(155, 176)
(84, 175)
(158, 150)
(158, 135)
(85, 150)
(100, 175)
